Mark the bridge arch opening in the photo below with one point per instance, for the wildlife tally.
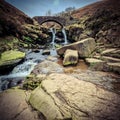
(52, 21)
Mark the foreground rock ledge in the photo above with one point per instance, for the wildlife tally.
(62, 97)
(13, 106)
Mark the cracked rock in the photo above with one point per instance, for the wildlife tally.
(62, 97)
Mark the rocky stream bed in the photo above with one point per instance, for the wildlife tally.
(56, 92)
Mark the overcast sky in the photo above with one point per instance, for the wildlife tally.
(40, 7)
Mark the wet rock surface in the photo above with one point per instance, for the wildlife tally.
(64, 97)
(47, 67)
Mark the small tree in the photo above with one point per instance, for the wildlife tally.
(48, 13)
(69, 9)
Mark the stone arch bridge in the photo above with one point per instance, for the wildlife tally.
(42, 19)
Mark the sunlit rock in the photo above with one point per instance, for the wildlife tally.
(70, 57)
(84, 47)
(62, 97)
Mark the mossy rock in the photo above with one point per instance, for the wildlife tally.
(9, 59)
(11, 55)
(32, 82)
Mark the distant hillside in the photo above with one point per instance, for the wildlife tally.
(11, 19)
(15, 23)
(91, 9)
(100, 20)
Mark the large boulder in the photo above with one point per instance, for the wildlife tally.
(13, 106)
(70, 57)
(84, 47)
(9, 59)
(62, 97)
(113, 67)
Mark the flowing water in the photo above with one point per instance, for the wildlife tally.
(53, 30)
(21, 71)
(24, 69)
(18, 74)
(65, 36)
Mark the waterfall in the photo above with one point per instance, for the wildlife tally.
(65, 36)
(53, 30)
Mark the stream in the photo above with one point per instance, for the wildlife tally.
(105, 80)
(32, 58)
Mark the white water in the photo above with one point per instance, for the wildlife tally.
(65, 36)
(20, 71)
(53, 51)
(53, 30)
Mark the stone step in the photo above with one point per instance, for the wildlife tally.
(112, 52)
(110, 59)
(107, 51)
(95, 64)
(114, 67)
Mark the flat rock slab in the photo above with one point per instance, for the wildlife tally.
(111, 59)
(112, 52)
(62, 97)
(13, 106)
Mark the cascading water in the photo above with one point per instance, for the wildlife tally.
(53, 30)
(17, 74)
(65, 36)
(53, 50)
(21, 71)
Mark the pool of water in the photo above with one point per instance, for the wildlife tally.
(81, 65)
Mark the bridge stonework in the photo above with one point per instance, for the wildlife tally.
(57, 19)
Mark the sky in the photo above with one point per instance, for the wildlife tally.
(41, 7)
